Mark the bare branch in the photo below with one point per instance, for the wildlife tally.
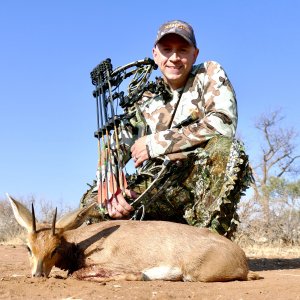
(285, 168)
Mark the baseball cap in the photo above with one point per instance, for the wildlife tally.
(181, 28)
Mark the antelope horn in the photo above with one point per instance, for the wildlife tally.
(33, 219)
(54, 221)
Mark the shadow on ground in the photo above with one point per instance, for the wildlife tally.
(265, 264)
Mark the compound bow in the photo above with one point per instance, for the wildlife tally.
(109, 101)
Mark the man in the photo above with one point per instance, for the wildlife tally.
(207, 191)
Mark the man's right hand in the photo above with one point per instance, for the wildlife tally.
(118, 207)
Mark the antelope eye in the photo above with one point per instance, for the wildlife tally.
(29, 250)
(54, 252)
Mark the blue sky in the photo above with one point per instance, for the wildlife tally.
(48, 49)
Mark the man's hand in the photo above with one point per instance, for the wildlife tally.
(139, 151)
(118, 207)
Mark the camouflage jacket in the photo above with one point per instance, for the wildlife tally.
(208, 95)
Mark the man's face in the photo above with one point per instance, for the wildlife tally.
(175, 58)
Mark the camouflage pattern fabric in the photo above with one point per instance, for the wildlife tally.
(208, 96)
(205, 189)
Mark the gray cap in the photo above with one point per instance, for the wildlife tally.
(181, 28)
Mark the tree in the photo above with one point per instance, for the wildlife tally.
(277, 160)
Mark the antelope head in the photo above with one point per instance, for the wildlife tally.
(44, 243)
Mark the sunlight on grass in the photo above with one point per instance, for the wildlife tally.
(272, 251)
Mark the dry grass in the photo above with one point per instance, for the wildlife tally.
(267, 251)
(16, 240)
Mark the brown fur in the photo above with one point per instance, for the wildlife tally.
(133, 250)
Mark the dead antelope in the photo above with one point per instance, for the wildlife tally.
(130, 250)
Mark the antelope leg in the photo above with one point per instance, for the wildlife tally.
(102, 274)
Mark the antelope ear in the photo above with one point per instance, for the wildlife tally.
(22, 214)
(74, 219)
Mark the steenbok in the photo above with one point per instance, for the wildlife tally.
(129, 250)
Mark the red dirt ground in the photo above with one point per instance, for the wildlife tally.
(281, 281)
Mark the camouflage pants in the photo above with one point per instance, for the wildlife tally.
(203, 190)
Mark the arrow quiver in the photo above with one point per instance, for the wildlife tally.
(113, 105)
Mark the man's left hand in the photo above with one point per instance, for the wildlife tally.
(139, 151)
